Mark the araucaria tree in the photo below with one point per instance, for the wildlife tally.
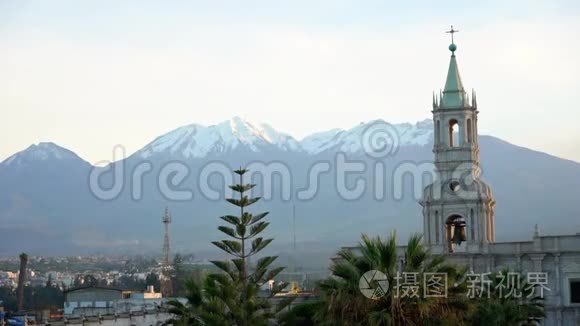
(235, 294)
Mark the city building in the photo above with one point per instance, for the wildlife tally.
(459, 211)
(101, 301)
(91, 300)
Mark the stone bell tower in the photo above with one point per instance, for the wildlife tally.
(458, 207)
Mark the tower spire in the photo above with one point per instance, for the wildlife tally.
(434, 101)
(454, 95)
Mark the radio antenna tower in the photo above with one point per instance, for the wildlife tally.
(165, 277)
(166, 220)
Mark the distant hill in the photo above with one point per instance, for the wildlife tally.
(47, 205)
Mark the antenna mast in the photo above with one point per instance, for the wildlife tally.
(165, 277)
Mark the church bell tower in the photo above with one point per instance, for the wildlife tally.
(458, 207)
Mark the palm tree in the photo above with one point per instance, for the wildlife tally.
(343, 303)
(188, 313)
(510, 302)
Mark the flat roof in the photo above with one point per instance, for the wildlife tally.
(93, 287)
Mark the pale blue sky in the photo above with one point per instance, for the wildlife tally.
(89, 75)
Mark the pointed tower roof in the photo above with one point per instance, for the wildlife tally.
(454, 95)
(453, 82)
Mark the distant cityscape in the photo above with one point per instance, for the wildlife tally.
(66, 272)
(143, 183)
(135, 279)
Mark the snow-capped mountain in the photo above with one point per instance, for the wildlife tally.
(44, 151)
(321, 141)
(197, 141)
(351, 140)
(46, 198)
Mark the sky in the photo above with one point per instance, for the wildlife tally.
(90, 75)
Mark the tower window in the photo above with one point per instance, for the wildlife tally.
(438, 132)
(453, 133)
(437, 226)
(575, 291)
(472, 226)
(469, 131)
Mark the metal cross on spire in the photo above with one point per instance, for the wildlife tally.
(452, 31)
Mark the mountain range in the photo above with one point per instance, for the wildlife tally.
(50, 200)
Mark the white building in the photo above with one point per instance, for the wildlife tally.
(459, 217)
(100, 301)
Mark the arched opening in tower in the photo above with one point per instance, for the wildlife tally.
(453, 133)
(455, 232)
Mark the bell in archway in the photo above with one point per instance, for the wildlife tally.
(459, 233)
